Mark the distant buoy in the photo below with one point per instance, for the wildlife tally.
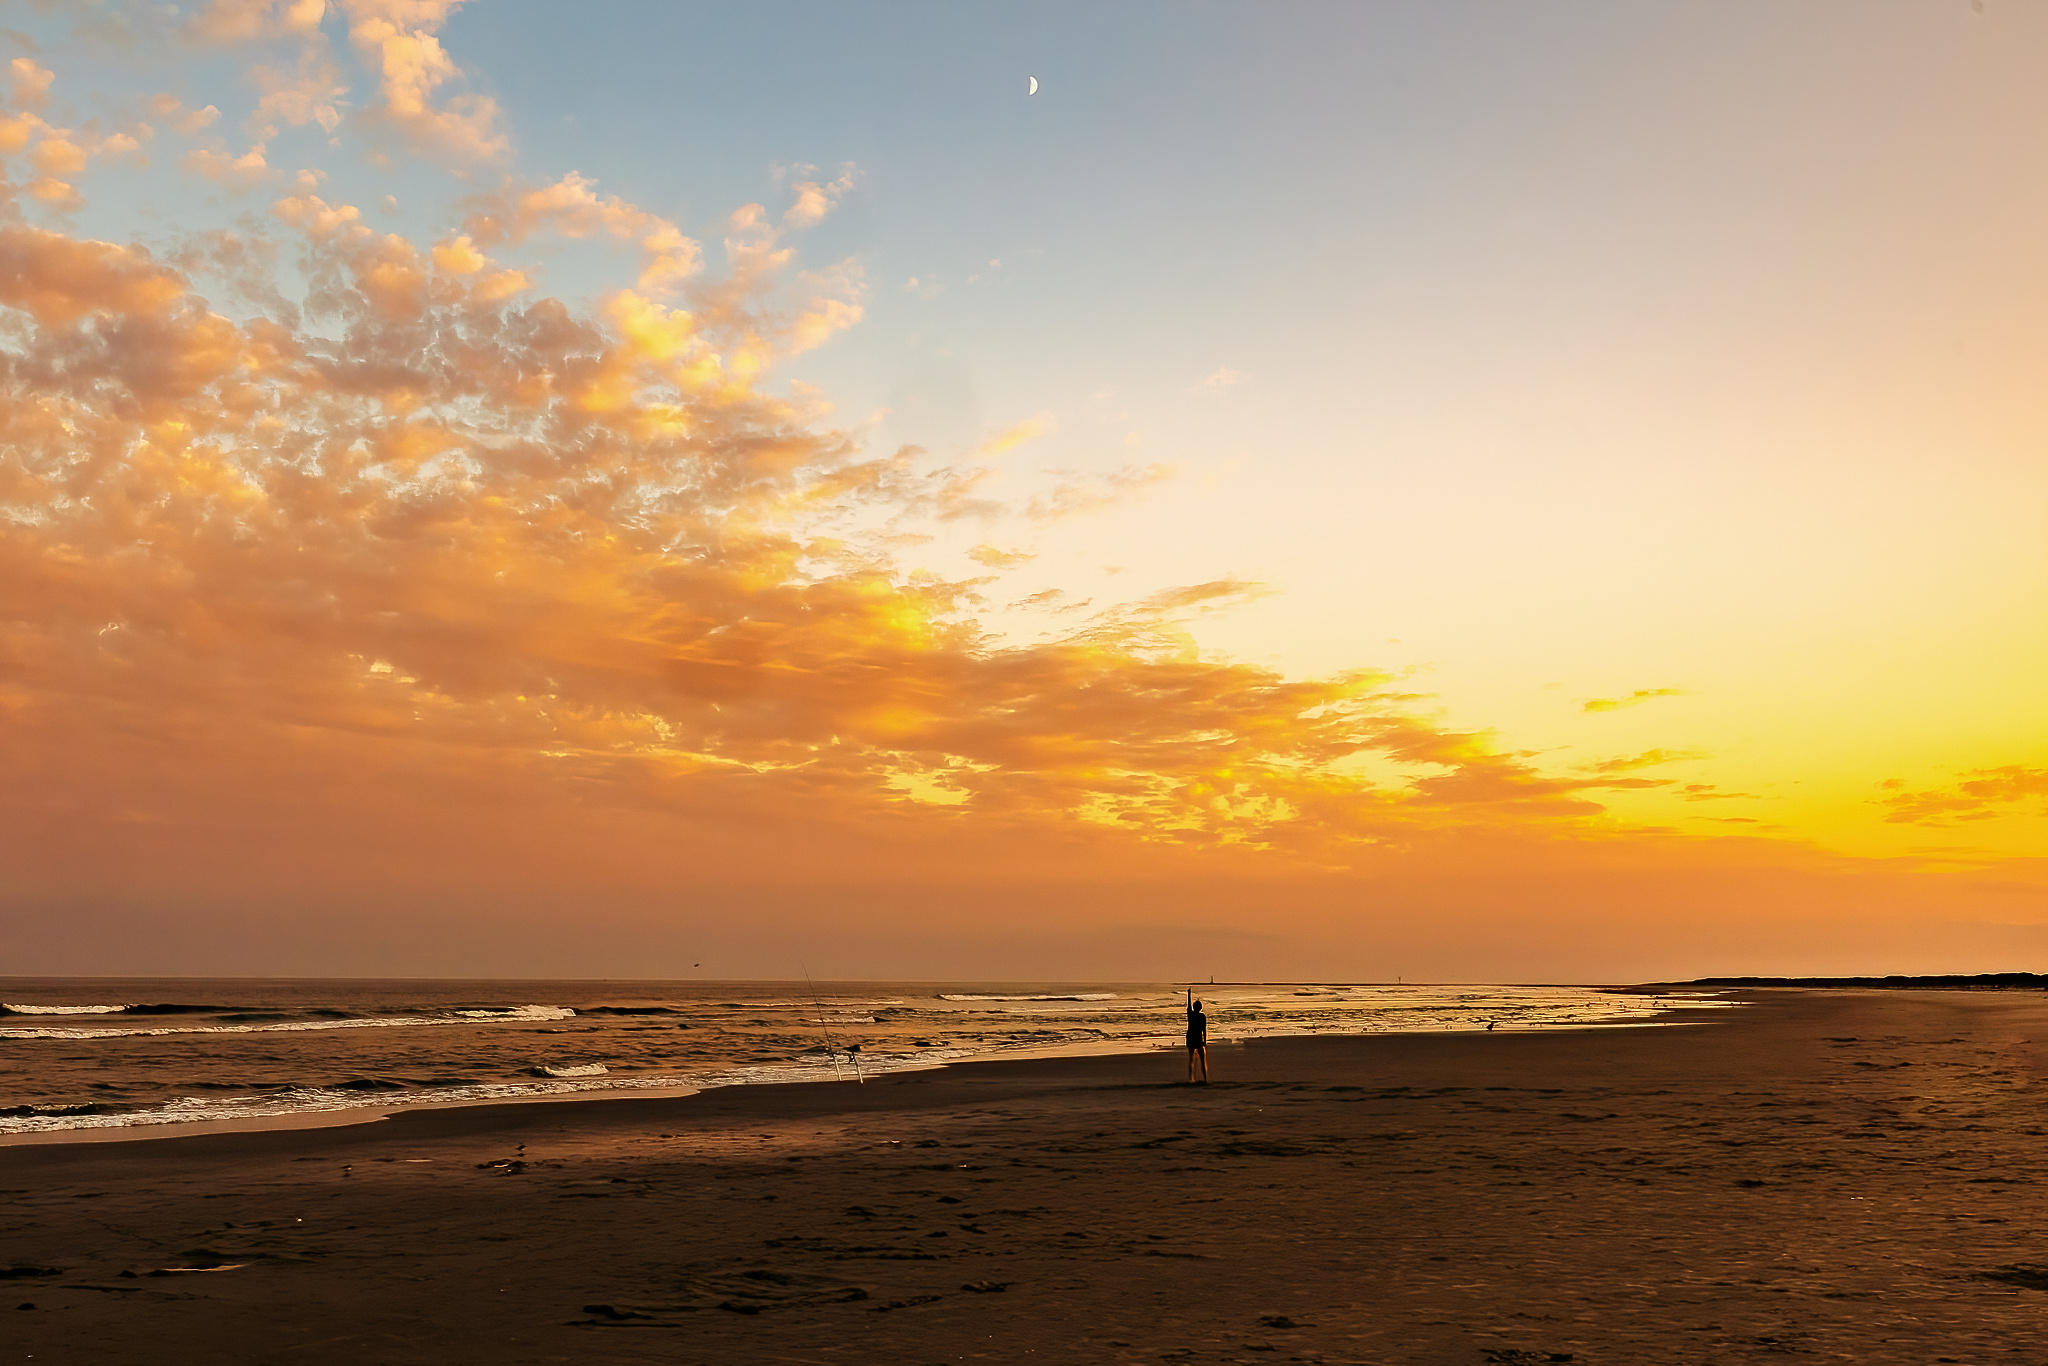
(1033, 90)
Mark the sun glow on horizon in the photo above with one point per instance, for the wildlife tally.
(343, 549)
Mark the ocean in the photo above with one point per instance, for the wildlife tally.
(106, 1057)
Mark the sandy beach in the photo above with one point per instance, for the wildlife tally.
(1822, 1175)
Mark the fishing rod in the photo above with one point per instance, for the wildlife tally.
(831, 1048)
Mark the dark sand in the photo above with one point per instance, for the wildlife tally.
(1823, 1176)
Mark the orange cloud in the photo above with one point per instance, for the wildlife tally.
(310, 92)
(57, 279)
(1634, 699)
(1985, 793)
(61, 152)
(17, 129)
(318, 219)
(58, 155)
(177, 117)
(242, 21)
(572, 208)
(453, 525)
(993, 558)
(56, 193)
(1649, 758)
(29, 82)
(396, 39)
(244, 172)
(814, 200)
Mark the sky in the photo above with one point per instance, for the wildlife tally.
(1458, 491)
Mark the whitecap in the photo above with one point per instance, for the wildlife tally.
(518, 1013)
(503, 1014)
(12, 1009)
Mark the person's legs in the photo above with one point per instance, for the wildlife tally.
(1202, 1055)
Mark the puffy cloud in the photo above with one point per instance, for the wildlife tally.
(123, 147)
(62, 152)
(500, 284)
(832, 307)
(17, 129)
(243, 21)
(312, 91)
(571, 207)
(671, 258)
(815, 200)
(1634, 699)
(58, 155)
(318, 219)
(1982, 795)
(29, 82)
(459, 256)
(396, 38)
(238, 173)
(56, 280)
(1223, 377)
(58, 194)
(172, 111)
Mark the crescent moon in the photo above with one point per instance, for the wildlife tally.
(1034, 86)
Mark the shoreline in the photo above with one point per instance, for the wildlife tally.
(1108, 1064)
(372, 1113)
(1837, 1174)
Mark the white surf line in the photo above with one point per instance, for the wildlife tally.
(339, 1109)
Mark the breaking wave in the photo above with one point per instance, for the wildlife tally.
(168, 1008)
(481, 1015)
(9, 1008)
(518, 1013)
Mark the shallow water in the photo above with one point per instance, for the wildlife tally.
(103, 1053)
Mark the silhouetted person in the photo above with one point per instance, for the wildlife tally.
(1198, 1041)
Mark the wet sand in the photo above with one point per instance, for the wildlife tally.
(1823, 1176)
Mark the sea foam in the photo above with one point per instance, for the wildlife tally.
(9, 1008)
(503, 1014)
